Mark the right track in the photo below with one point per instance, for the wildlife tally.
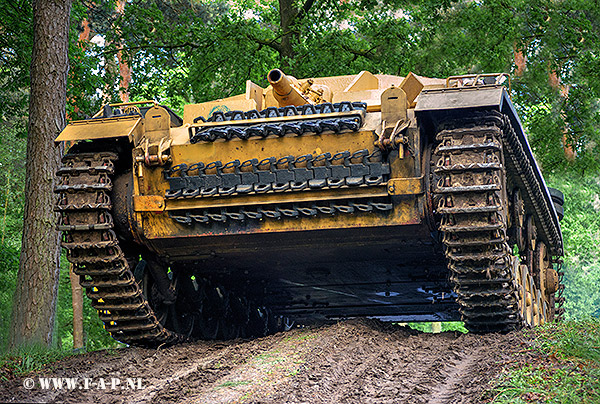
(496, 290)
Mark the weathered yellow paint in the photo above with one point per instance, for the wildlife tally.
(365, 87)
(101, 128)
(153, 182)
(148, 203)
(157, 124)
(159, 226)
(255, 92)
(371, 97)
(412, 86)
(405, 186)
(276, 197)
(393, 107)
(155, 226)
(271, 147)
(363, 81)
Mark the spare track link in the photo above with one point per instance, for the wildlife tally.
(244, 125)
(92, 247)
(471, 199)
(323, 171)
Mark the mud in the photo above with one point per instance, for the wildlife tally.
(356, 361)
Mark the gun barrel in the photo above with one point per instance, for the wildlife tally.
(283, 89)
(280, 82)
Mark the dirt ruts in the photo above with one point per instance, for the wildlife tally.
(354, 361)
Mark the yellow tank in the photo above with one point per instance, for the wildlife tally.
(401, 198)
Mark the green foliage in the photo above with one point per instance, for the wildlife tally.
(565, 370)
(16, 39)
(28, 359)
(445, 326)
(9, 263)
(581, 233)
(12, 180)
(571, 340)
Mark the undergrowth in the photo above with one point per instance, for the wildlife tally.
(562, 367)
(29, 359)
(444, 326)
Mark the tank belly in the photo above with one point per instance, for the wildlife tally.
(395, 272)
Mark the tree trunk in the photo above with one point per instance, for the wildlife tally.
(124, 68)
(287, 13)
(520, 61)
(77, 294)
(554, 81)
(34, 306)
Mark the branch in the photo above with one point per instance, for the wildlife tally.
(271, 44)
(357, 53)
(139, 47)
(303, 11)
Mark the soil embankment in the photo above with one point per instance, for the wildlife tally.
(355, 361)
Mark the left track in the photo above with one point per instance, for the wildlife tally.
(84, 205)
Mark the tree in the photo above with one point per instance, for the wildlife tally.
(183, 51)
(37, 280)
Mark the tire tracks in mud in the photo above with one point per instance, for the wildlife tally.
(354, 361)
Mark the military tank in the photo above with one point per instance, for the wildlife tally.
(400, 198)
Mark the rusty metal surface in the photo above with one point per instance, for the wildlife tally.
(495, 291)
(87, 225)
(148, 203)
(405, 186)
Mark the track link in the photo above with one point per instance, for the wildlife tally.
(92, 247)
(470, 196)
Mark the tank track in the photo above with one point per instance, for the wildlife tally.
(246, 124)
(469, 184)
(289, 173)
(279, 211)
(92, 246)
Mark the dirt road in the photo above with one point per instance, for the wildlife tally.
(356, 361)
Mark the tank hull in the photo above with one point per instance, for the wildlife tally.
(403, 199)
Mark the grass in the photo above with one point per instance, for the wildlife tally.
(234, 384)
(563, 367)
(29, 359)
(445, 326)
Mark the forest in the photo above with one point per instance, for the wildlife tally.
(188, 51)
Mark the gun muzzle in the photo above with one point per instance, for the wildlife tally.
(284, 89)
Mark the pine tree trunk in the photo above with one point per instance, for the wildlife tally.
(37, 281)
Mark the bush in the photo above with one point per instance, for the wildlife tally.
(9, 264)
(581, 235)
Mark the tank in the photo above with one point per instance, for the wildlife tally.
(401, 198)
